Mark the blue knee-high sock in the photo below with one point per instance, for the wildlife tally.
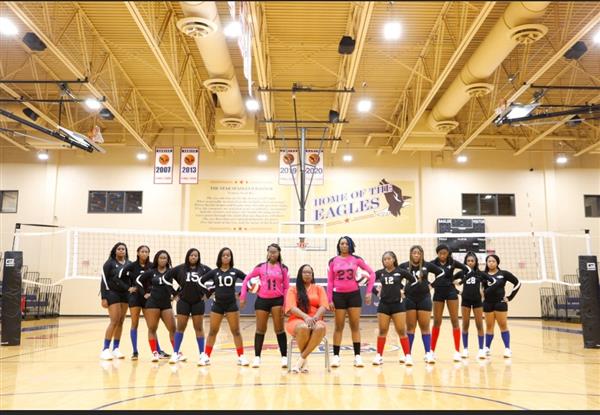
(480, 340)
(506, 338)
(411, 338)
(426, 342)
(465, 337)
(116, 343)
(200, 341)
(178, 340)
(158, 349)
(133, 335)
(106, 344)
(488, 340)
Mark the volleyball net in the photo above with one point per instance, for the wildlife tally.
(79, 253)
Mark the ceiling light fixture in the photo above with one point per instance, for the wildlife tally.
(392, 31)
(364, 105)
(252, 105)
(93, 104)
(261, 157)
(7, 27)
(462, 159)
(347, 158)
(233, 29)
(43, 155)
(561, 159)
(141, 156)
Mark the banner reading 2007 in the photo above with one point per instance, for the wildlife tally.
(188, 165)
(163, 165)
(289, 163)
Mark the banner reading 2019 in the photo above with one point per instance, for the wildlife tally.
(365, 206)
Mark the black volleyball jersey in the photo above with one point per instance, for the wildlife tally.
(112, 276)
(224, 283)
(391, 284)
(162, 286)
(495, 286)
(190, 289)
(449, 267)
(420, 289)
(133, 270)
(472, 282)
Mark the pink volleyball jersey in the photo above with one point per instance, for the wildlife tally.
(274, 280)
(341, 277)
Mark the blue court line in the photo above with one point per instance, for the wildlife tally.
(313, 384)
(558, 329)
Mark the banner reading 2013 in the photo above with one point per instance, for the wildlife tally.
(289, 163)
(163, 165)
(188, 165)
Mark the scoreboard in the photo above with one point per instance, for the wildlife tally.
(461, 245)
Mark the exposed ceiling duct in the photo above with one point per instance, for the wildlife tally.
(202, 22)
(516, 26)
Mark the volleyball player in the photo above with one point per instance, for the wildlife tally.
(115, 293)
(306, 304)
(273, 286)
(344, 297)
(136, 296)
(495, 302)
(190, 300)
(158, 302)
(445, 292)
(418, 298)
(223, 280)
(391, 305)
(471, 299)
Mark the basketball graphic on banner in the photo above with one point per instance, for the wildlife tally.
(288, 158)
(189, 159)
(163, 159)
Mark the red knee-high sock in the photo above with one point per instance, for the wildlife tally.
(240, 351)
(435, 333)
(208, 350)
(152, 345)
(405, 345)
(380, 344)
(456, 335)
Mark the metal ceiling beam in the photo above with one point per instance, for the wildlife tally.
(113, 104)
(547, 65)
(458, 52)
(350, 63)
(591, 146)
(174, 80)
(258, 27)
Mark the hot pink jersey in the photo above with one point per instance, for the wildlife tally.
(274, 280)
(341, 277)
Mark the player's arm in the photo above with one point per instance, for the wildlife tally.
(515, 282)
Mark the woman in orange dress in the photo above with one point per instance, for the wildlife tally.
(305, 305)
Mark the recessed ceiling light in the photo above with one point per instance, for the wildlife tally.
(141, 156)
(462, 159)
(561, 159)
(252, 104)
(392, 31)
(233, 29)
(364, 105)
(261, 157)
(93, 104)
(7, 27)
(347, 158)
(43, 155)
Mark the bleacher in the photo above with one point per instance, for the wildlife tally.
(561, 302)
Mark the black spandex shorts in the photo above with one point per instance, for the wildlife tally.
(114, 297)
(137, 300)
(421, 304)
(466, 302)
(266, 304)
(184, 308)
(445, 293)
(223, 308)
(160, 304)
(347, 300)
(391, 308)
(489, 307)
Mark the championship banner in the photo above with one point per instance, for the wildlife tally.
(163, 165)
(188, 165)
(289, 163)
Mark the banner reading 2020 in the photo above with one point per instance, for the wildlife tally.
(188, 165)
(163, 165)
(289, 164)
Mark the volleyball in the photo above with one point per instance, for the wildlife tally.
(254, 285)
(361, 278)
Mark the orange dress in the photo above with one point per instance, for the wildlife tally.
(317, 297)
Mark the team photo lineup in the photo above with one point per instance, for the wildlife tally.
(403, 291)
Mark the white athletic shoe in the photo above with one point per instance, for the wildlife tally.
(457, 357)
(283, 361)
(378, 360)
(481, 354)
(106, 355)
(507, 353)
(174, 358)
(335, 361)
(256, 361)
(408, 360)
(488, 352)
(358, 362)
(465, 354)
(429, 358)
(242, 361)
(155, 356)
(402, 358)
(117, 354)
(181, 357)
(204, 360)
